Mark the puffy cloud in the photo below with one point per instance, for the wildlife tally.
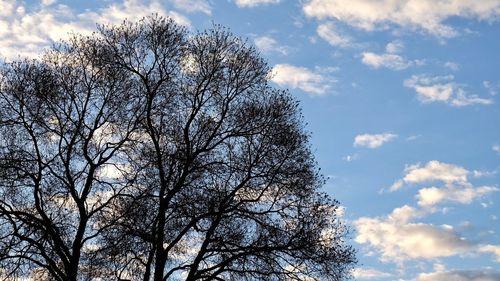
(391, 61)
(313, 82)
(329, 32)
(442, 89)
(361, 273)
(426, 15)
(457, 188)
(398, 239)
(253, 3)
(435, 171)
(192, 6)
(430, 196)
(27, 33)
(494, 249)
(268, 45)
(373, 141)
(460, 275)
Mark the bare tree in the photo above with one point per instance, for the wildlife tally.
(144, 152)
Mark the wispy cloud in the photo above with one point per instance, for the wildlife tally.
(442, 89)
(332, 35)
(460, 275)
(267, 45)
(192, 6)
(315, 82)
(25, 33)
(390, 59)
(366, 273)
(496, 148)
(373, 141)
(425, 15)
(456, 189)
(254, 3)
(398, 238)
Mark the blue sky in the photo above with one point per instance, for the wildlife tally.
(401, 98)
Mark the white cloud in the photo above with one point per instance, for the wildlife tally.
(460, 275)
(361, 273)
(373, 141)
(456, 189)
(442, 89)
(313, 82)
(253, 3)
(7, 8)
(492, 88)
(329, 32)
(426, 15)
(494, 249)
(48, 2)
(350, 158)
(430, 196)
(27, 33)
(391, 61)
(268, 45)
(394, 47)
(435, 171)
(496, 148)
(192, 6)
(398, 239)
(452, 65)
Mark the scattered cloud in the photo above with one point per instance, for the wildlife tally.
(390, 59)
(432, 171)
(431, 196)
(413, 137)
(428, 16)
(361, 273)
(394, 47)
(452, 65)
(442, 89)
(496, 148)
(330, 33)
(494, 249)
(397, 238)
(456, 189)
(254, 3)
(492, 88)
(373, 141)
(315, 82)
(350, 158)
(48, 2)
(269, 45)
(25, 33)
(460, 275)
(192, 6)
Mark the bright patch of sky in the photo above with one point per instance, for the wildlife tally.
(401, 98)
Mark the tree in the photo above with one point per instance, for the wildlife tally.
(144, 152)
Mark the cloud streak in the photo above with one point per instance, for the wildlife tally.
(373, 141)
(431, 89)
(428, 16)
(314, 82)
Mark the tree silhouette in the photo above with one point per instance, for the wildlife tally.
(145, 152)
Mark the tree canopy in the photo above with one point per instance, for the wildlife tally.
(147, 152)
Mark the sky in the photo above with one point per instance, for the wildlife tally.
(401, 98)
